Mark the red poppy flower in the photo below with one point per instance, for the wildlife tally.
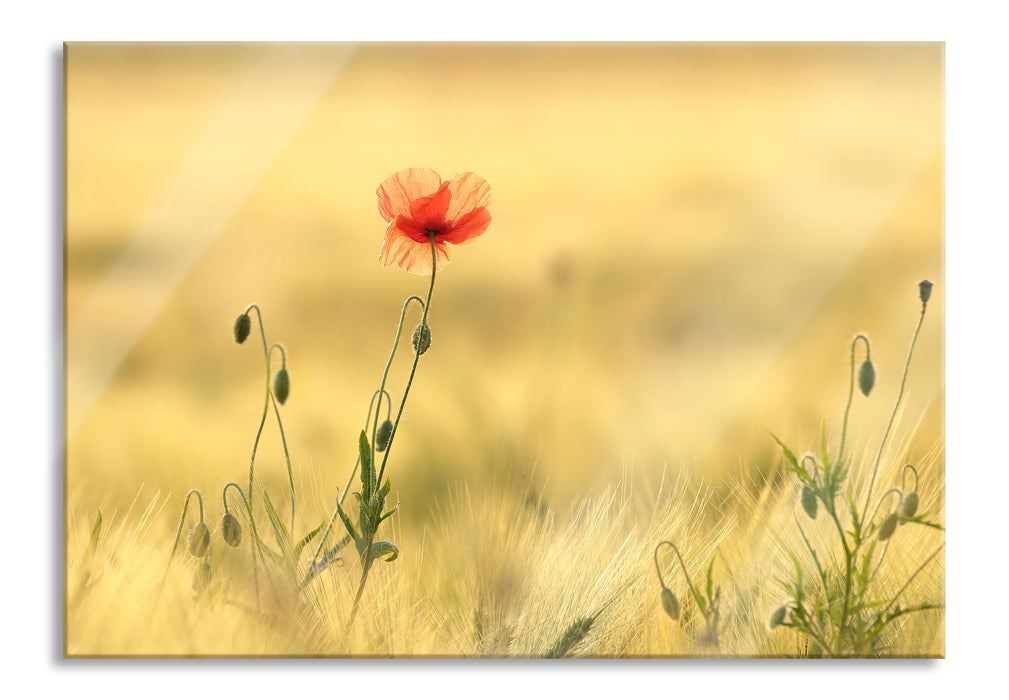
(419, 206)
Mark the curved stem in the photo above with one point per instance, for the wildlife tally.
(381, 389)
(259, 432)
(693, 591)
(266, 398)
(851, 391)
(287, 457)
(182, 521)
(903, 477)
(816, 468)
(893, 414)
(413, 370)
(883, 498)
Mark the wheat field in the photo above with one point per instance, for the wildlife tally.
(685, 238)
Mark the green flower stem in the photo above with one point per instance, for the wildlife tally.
(182, 521)
(883, 498)
(693, 591)
(248, 510)
(843, 622)
(851, 391)
(259, 432)
(368, 557)
(381, 389)
(893, 414)
(903, 477)
(413, 370)
(287, 457)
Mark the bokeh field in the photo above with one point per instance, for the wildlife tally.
(685, 239)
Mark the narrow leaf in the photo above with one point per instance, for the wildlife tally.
(278, 526)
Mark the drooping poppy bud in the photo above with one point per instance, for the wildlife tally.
(924, 291)
(281, 385)
(777, 617)
(231, 529)
(866, 377)
(422, 338)
(243, 324)
(199, 539)
(670, 604)
(909, 505)
(888, 526)
(202, 576)
(382, 438)
(809, 501)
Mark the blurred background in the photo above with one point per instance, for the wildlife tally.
(685, 238)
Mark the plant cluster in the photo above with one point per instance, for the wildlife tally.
(841, 611)
(424, 214)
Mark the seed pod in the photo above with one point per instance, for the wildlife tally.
(809, 502)
(777, 617)
(231, 529)
(924, 291)
(281, 385)
(199, 539)
(888, 526)
(243, 324)
(421, 338)
(866, 377)
(909, 505)
(382, 438)
(202, 576)
(670, 604)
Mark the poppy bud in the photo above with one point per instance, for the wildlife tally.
(888, 526)
(809, 502)
(777, 617)
(281, 385)
(199, 539)
(382, 438)
(202, 576)
(422, 339)
(231, 529)
(243, 324)
(924, 291)
(909, 505)
(670, 604)
(866, 377)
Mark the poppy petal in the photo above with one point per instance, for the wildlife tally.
(397, 191)
(429, 212)
(413, 256)
(469, 192)
(468, 227)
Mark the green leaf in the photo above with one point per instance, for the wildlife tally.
(920, 519)
(790, 456)
(386, 487)
(381, 549)
(351, 530)
(367, 475)
(305, 540)
(93, 542)
(394, 509)
(278, 526)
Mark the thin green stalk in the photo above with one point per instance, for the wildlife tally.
(182, 521)
(690, 584)
(259, 432)
(851, 391)
(413, 370)
(893, 414)
(368, 558)
(381, 390)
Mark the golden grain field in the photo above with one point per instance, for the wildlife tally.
(685, 238)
